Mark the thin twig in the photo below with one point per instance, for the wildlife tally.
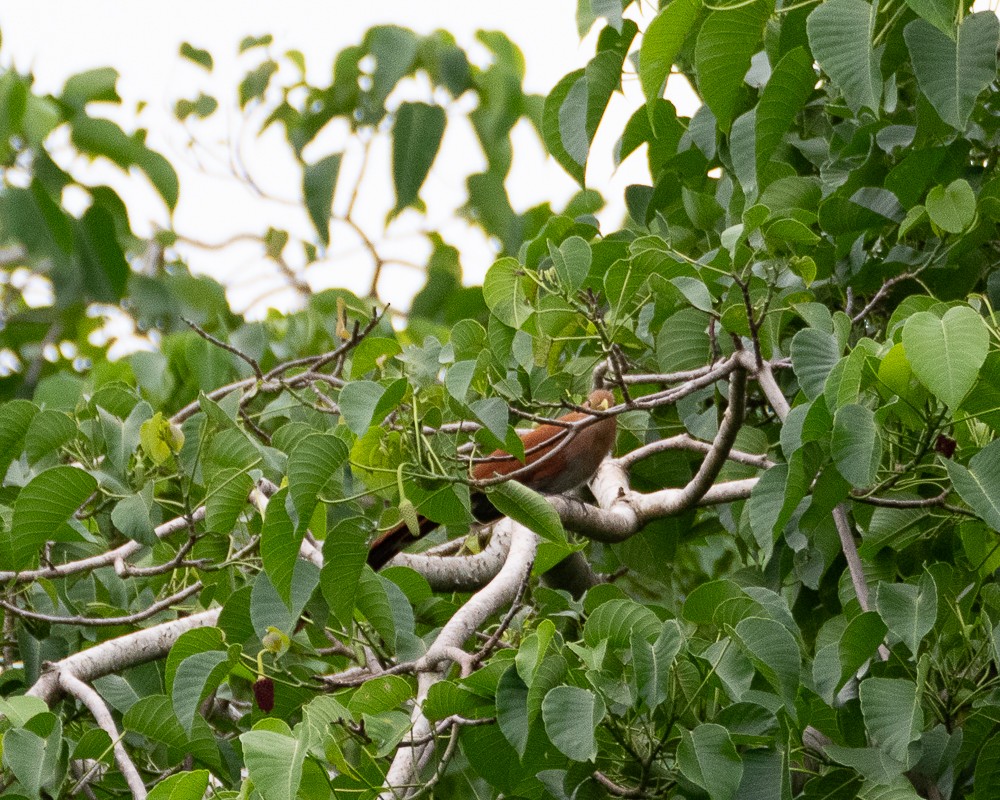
(490, 645)
(881, 293)
(616, 789)
(225, 346)
(99, 622)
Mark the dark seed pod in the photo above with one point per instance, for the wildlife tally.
(263, 692)
(945, 445)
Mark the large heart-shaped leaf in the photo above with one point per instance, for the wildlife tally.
(952, 72)
(946, 353)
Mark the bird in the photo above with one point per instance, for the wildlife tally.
(572, 465)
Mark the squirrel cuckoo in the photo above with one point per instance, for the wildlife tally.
(573, 464)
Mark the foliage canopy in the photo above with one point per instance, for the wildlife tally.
(784, 585)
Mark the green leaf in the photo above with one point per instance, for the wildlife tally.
(774, 652)
(344, 556)
(909, 611)
(979, 484)
(946, 353)
(707, 757)
(153, 717)
(683, 342)
(196, 677)
(203, 106)
(493, 413)
(279, 544)
(856, 445)
(15, 420)
(374, 603)
(727, 40)
(319, 182)
(102, 137)
(742, 141)
(571, 717)
(380, 694)
(814, 354)
(121, 439)
(311, 465)
(357, 402)
(618, 621)
(790, 231)
(773, 501)
(953, 207)
(394, 49)
(575, 106)
(524, 505)
(160, 438)
(611, 10)
(268, 610)
(940, 13)
(571, 155)
(49, 430)
(512, 710)
(953, 69)
(41, 512)
(18, 709)
(318, 715)
(198, 640)
(987, 770)
(662, 42)
(790, 86)
(652, 662)
(185, 786)
(228, 494)
(840, 37)
(250, 42)
(447, 697)
(105, 270)
(255, 82)
(94, 85)
(504, 290)
(200, 57)
(873, 763)
(892, 713)
(32, 759)
(131, 516)
(571, 261)
(458, 379)
(274, 762)
(161, 174)
(416, 139)
(859, 642)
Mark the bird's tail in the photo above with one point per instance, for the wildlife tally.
(390, 543)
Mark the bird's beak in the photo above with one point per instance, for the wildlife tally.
(604, 405)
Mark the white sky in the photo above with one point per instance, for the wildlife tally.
(57, 38)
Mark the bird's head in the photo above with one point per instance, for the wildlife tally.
(601, 400)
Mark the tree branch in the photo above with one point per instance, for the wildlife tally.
(116, 655)
(405, 767)
(75, 687)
